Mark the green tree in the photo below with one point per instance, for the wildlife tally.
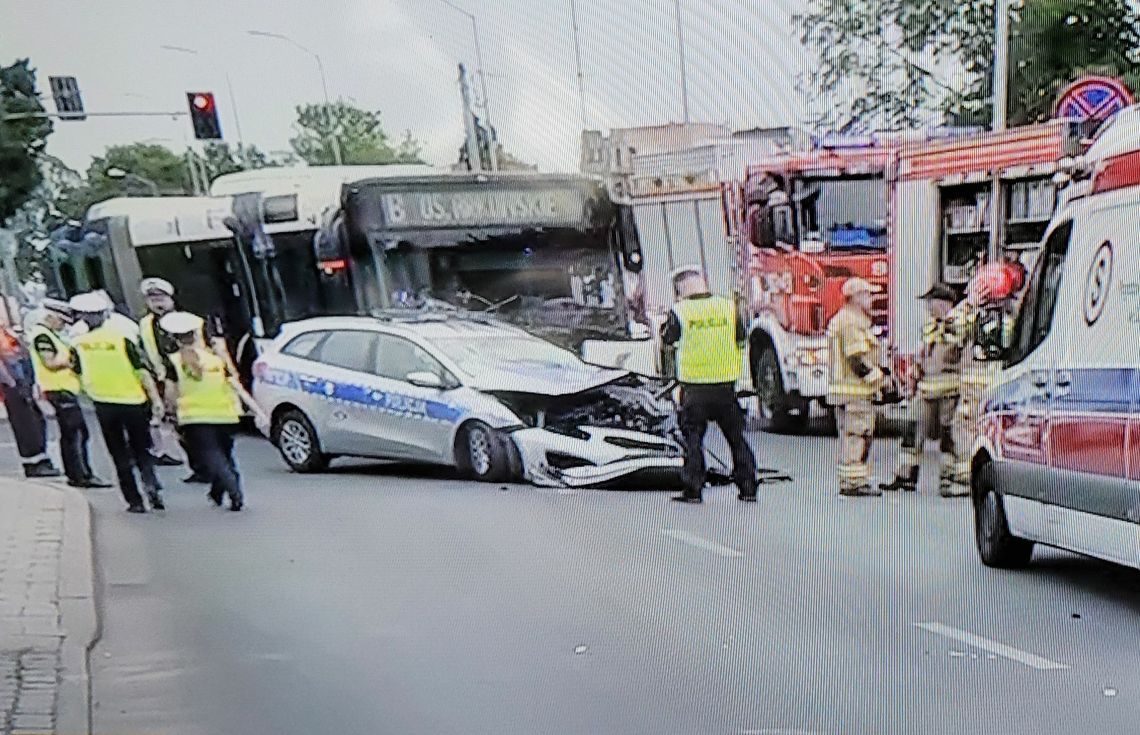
(360, 133)
(44, 210)
(894, 63)
(220, 159)
(135, 169)
(22, 139)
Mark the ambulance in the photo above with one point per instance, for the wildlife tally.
(1057, 461)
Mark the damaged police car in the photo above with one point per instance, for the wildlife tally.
(464, 390)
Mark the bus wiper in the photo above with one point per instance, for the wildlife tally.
(491, 305)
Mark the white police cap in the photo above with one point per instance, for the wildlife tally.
(180, 322)
(89, 303)
(156, 285)
(57, 306)
(686, 270)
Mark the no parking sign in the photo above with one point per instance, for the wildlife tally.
(1092, 98)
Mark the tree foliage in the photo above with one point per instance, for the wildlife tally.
(904, 63)
(360, 133)
(22, 140)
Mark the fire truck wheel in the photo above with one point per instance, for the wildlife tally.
(773, 403)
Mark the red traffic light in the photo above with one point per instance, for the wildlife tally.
(203, 102)
(204, 115)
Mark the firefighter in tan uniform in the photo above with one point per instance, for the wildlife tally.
(856, 378)
(937, 390)
(978, 374)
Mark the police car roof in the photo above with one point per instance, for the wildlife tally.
(429, 325)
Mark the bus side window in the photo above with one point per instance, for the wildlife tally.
(1036, 317)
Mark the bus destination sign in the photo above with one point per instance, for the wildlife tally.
(482, 208)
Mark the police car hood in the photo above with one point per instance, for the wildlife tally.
(524, 377)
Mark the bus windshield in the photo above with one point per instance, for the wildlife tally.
(843, 213)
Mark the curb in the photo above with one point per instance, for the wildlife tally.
(79, 618)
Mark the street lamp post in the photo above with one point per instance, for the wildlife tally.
(335, 142)
(482, 82)
(578, 63)
(684, 74)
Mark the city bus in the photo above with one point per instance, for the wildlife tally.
(544, 251)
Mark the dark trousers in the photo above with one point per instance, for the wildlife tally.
(195, 462)
(213, 444)
(126, 432)
(73, 435)
(27, 421)
(701, 404)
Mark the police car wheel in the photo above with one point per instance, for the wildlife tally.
(480, 453)
(297, 441)
(997, 547)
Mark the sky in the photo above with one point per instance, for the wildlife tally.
(399, 57)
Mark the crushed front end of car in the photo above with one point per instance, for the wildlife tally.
(620, 434)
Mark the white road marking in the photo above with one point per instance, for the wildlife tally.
(970, 639)
(701, 543)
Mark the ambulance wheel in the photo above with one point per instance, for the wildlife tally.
(996, 545)
(772, 402)
(481, 453)
(296, 439)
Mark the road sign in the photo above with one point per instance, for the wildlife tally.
(1092, 98)
(68, 101)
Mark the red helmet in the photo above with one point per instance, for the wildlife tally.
(996, 282)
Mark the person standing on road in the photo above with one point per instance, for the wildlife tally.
(159, 345)
(18, 385)
(936, 392)
(855, 355)
(708, 338)
(59, 385)
(208, 398)
(114, 376)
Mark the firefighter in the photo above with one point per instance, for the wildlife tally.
(158, 345)
(114, 376)
(59, 385)
(992, 286)
(856, 378)
(18, 386)
(208, 398)
(708, 337)
(936, 393)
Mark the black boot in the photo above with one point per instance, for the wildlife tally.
(165, 460)
(907, 482)
(196, 479)
(155, 498)
(42, 468)
(683, 498)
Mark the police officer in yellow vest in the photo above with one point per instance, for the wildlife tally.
(937, 390)
(59, 385)
(708, 336)
(855, 358)
(208, 398)
(114, 376)
(158, 345)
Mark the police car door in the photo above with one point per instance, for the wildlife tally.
(341, 408)
(412, 421)
(1093, 499)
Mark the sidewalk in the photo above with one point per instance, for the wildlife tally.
(47, 608)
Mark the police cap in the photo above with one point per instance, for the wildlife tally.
(685, 271)
(89, 303)
(179, 322)
(156, 286)
(58, 306)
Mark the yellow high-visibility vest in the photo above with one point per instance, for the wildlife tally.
(209, 399)
(53, 381)
(849, 335)
(154, 355)
(106, 374)
(707, 352)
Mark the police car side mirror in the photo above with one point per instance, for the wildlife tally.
(990, 336)
(426, 380)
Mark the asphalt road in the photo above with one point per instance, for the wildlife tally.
(379, 599)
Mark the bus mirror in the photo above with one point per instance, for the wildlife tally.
(760, 227)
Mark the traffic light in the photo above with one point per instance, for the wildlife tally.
(68, 102)
(204, 115)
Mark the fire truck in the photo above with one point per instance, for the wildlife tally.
(900, 211)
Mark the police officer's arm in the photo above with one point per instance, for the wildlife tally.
(145, 378)
(51, 358)
(215, 337)
(260, 417)
(671, 329)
